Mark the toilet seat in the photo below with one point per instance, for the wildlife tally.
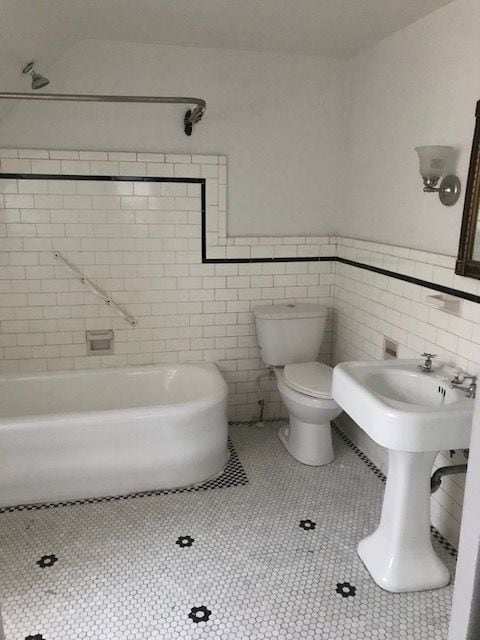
(313, 379)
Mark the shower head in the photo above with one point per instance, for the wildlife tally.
(38, 81)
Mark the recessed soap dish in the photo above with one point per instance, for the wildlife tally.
(447, 303)
(99, 343)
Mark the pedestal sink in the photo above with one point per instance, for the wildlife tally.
(414, 415)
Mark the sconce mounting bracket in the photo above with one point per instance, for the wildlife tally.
(449, 190)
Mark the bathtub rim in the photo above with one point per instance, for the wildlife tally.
(218, 393)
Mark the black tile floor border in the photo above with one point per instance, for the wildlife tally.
(378, 472)
(232, 476)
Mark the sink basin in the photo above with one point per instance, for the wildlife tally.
(403, 408)
(414, 415)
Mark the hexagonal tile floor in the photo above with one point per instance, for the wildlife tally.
(273, 558)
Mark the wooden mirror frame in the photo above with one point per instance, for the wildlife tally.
(465, 265)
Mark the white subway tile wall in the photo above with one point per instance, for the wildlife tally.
(141, 242)
(370, 306)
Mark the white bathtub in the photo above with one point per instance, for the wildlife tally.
(71, 435)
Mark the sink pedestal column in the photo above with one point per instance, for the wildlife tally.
(399, 554)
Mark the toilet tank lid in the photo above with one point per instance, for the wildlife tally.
(285, 311)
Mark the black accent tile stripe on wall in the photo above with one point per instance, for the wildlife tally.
(465, 295)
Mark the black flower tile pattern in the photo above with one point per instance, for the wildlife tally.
(37, 636)
(185, 541)
(47, 561)
(125, 576)
(308, 525)
(345, 589)
(199, 614)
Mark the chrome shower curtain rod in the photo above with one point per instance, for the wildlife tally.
(192, 116)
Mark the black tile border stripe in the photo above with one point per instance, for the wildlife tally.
(255, 260)
(411, 280)
(95, 177)
(464, 295)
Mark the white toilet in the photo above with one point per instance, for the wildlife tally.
(289, 336)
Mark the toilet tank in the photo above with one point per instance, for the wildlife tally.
(290, 333)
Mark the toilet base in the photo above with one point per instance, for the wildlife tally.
(308, 443)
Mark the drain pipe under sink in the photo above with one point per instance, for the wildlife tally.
(437, 476)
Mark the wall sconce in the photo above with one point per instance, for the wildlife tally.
(433, 160)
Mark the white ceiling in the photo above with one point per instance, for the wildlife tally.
(336, 28)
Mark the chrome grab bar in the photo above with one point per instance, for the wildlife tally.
(95, 290)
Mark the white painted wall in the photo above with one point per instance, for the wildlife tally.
(281, 120)
(418, 86)
(278, 118)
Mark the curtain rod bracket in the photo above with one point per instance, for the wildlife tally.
(191, 118)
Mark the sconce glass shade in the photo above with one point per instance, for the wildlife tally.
(433, 160)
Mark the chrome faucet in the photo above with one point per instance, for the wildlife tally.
(426, 367)
(470, 391)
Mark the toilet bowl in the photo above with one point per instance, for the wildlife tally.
(308, 436)
(290, 336)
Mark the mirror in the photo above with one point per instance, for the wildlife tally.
(468, 262)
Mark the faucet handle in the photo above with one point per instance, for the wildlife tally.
(472, 387)
(426, 367)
